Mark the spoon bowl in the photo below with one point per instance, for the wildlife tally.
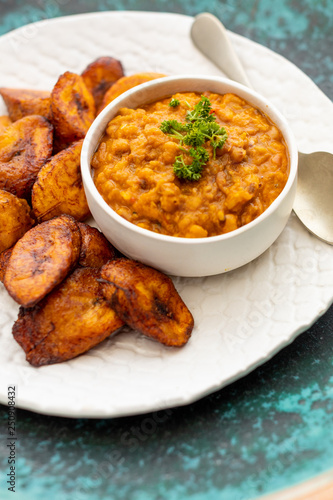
(313, 203)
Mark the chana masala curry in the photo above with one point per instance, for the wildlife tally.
(140, 166)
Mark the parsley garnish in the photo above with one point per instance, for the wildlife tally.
(191, 172)
(201, 111)
(174, 102)
(173, 129)
(201, 127)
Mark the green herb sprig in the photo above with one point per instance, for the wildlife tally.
(200, 127)
(174, 102)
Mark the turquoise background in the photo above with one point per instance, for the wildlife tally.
(267, 431)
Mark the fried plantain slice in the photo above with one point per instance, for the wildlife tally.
(72, 107)
(59, 188)
(100, 75)
(147, 300)
(5, 121)
(15, 219)
(96, 250)
(126, 83)
(4, 258)
(72, 319)
(25, 102)
(41, 259)
(24, 147)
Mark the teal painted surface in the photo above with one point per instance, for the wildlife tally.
(267, 431)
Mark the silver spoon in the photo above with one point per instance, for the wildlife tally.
(314, 197)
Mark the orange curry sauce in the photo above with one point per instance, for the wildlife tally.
(133, 168)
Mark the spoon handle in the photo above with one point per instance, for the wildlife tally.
(211, 38)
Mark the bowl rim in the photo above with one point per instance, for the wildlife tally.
(247, 93)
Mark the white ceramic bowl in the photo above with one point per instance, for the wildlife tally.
(189, 256)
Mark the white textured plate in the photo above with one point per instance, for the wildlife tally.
(241, 318)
